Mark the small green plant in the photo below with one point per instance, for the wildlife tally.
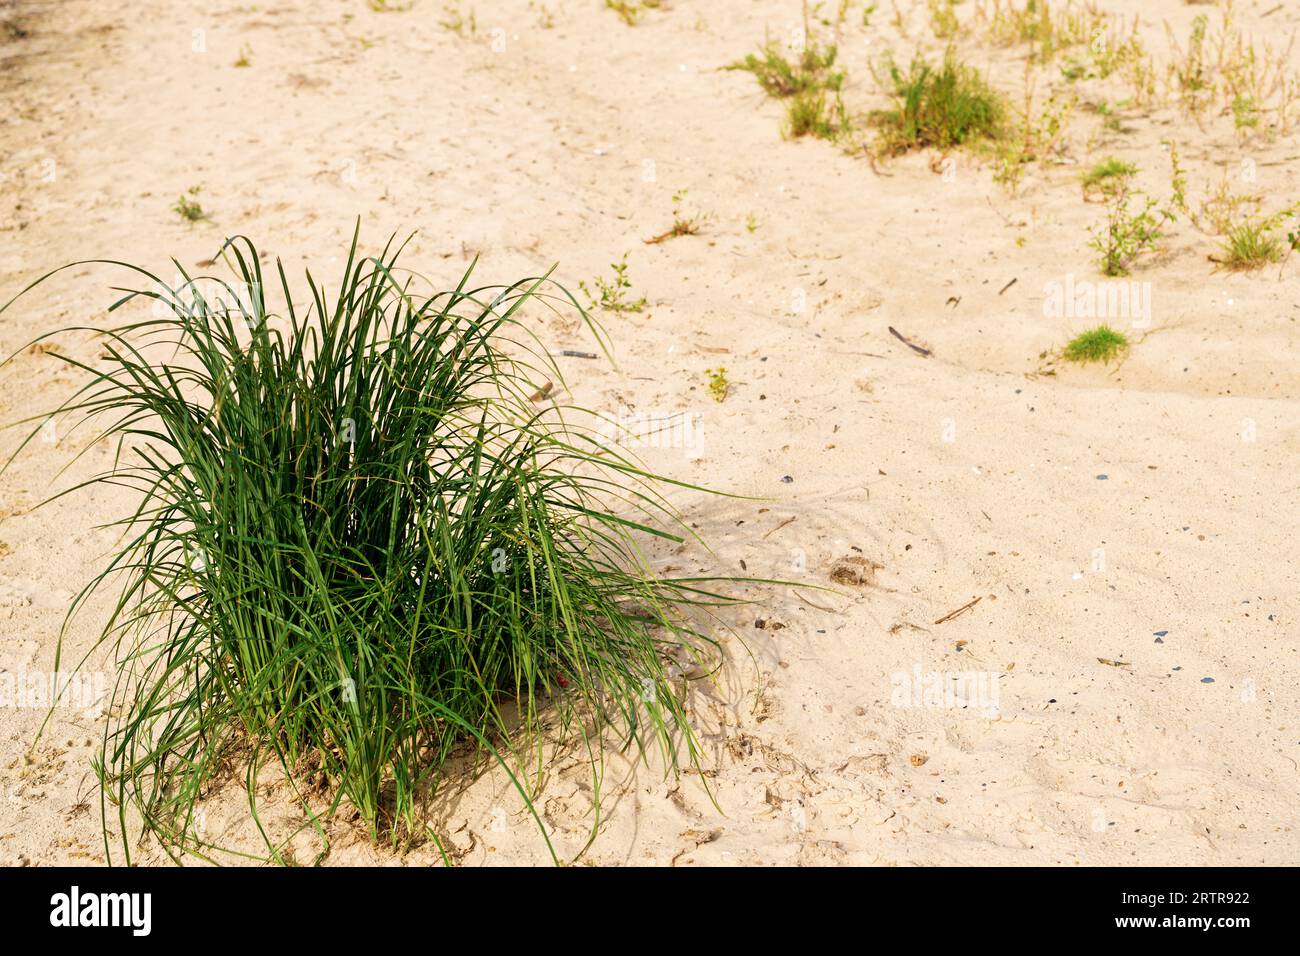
(362, 555)
(1221, 209)
(1034, 24)
(1245, 115)
(244, 59)
(1191, 69)
(1107, 176)
(1177, 182)
(545, 16)
(188, 206)
(813, 69)
(943, 19)
(457, 22)
(1108, 51)
(1110, 117)
(1030, 136)
(1096, 345)
(1127, 234)
(683, 224)
(390, 6)
(751, 223)
(612, 295)
(630, 11)
(942, 108)
(718, 384)
(1252, 244)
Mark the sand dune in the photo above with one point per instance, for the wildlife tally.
(1126, 681)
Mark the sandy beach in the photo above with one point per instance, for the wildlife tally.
(1118, 686)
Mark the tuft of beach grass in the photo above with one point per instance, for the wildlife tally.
(1096, 345)
(362, 545)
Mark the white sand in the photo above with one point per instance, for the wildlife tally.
(963, 475)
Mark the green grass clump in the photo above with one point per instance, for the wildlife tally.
(810, 85)
(1096, 345)
(814, 113)
(1251, 245)
(942, 108)
(814, 68)
(1107, 176)
(361, 547)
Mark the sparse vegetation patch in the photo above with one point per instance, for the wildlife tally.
(1096, 345)
(942, 107)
